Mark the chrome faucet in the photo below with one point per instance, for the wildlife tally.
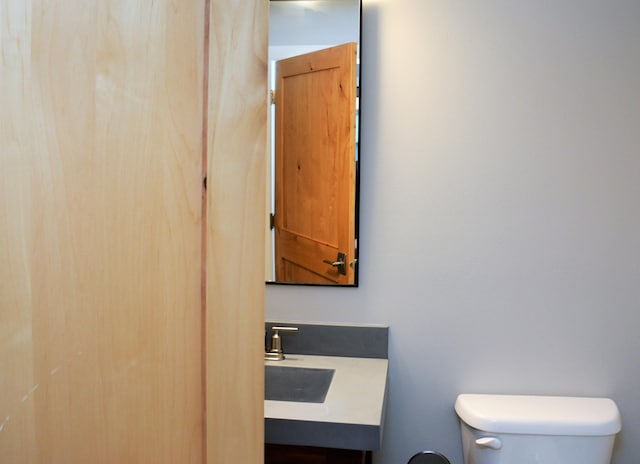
(275, 353)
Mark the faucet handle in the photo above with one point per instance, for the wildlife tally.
(277, 328)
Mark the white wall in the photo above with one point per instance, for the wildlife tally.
(500, 209)
(317, 22)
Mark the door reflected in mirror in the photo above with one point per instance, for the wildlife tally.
(312, 233)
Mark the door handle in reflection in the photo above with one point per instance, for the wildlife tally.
(340, 263)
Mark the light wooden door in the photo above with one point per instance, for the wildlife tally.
(315, 166)
(235, 212)
(107, 346)
(101, 112)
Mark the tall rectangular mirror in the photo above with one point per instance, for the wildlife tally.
(312, 232)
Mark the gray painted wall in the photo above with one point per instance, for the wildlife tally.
(500, 209)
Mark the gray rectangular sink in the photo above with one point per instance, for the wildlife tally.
(304, 385)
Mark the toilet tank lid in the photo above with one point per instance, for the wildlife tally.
(539, 415)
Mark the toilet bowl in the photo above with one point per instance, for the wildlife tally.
(513, 429)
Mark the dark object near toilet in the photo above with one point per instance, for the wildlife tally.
(428, 457)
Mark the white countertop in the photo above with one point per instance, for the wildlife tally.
(356, 394)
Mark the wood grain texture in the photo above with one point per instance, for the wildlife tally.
(237, 145)
(100, 149)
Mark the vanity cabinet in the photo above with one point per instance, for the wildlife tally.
(126, 287)
(287, 454)
(342, 422)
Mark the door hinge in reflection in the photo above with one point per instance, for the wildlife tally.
(272, 96)
(272, 221)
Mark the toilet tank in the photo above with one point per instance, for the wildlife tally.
(508, 429)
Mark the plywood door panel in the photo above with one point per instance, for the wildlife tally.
(237, 150)
(100, 153)
(315, 164)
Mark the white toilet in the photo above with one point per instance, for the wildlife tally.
(509, 429)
